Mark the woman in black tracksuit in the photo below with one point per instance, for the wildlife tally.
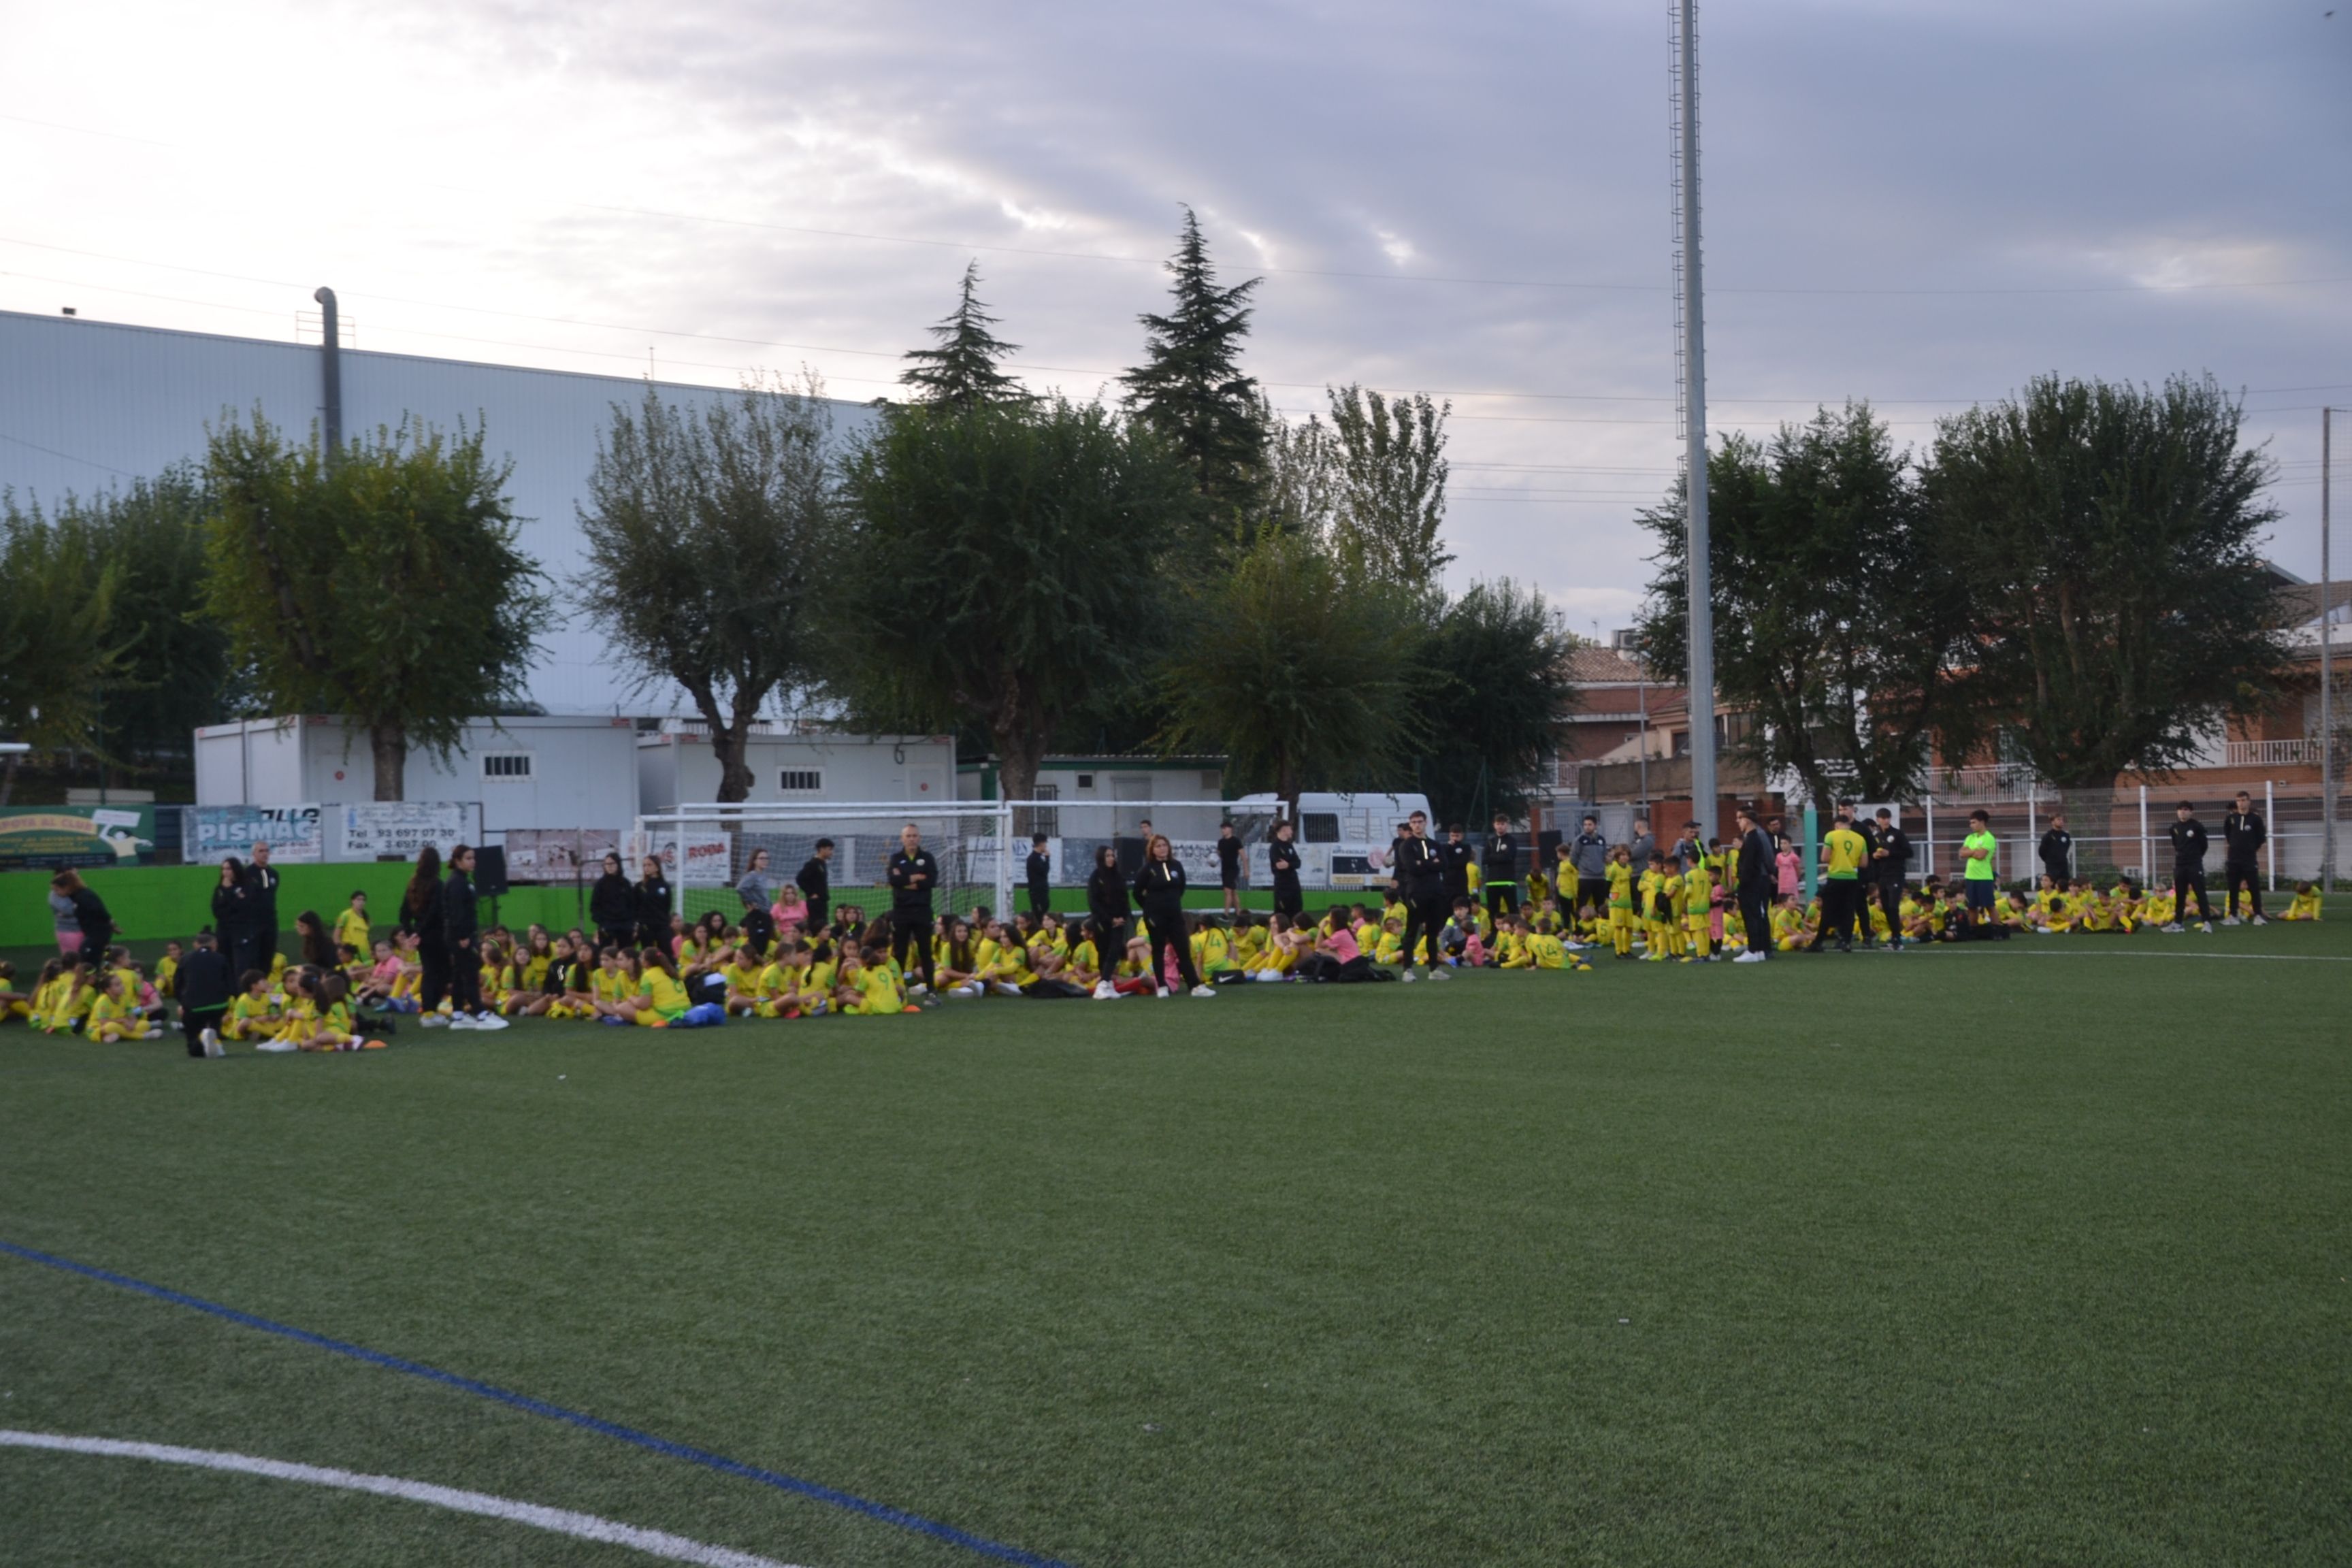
(613, 906)
(1107, 907)
(652, 906)
(1159, 888)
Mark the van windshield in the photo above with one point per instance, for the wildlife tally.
(1320, 826)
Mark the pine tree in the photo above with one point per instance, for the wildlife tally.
(961, 370)
(1192, 389)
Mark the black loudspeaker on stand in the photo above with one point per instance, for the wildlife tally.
(490, 871)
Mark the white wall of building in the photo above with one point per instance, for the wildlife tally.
(581, 772)
(678, 768)
(87, 404)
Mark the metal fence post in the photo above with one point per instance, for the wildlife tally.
(2270, 830)
(1931, 835)
(2147, 872)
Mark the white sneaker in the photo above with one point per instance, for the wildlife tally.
(275, 1046)
(1750, 958)
(434, 1021)
(1204, 991)
(1006, 988)
(1161, 993)
(459, 1021)
(2172, 929)
(1441, 975)
(2205, 926)
(2262, 919)
(2230, 921)
(918, 989)
(1408, 977)
(210, 1039)
(1104, 991)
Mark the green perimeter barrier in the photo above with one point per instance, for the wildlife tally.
(153, 903)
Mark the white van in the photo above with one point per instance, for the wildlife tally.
(1343, 839)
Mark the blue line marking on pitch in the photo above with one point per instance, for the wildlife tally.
(703, 1456)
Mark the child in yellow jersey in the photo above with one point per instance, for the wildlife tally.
(1649, 892)
(1213, 951)
(1698, 913)
(1083, 967)
(1620, 871)
(868, 990)
(69, 1001)
(2303, 906)
(1249, 941)
(352, 926)
(1789, 931)
(14, 1004)
(1551, 953)
(661, 998)
(251, 1015)
(167, 971)
(2098, 915)
(1388, 943)
(1511, 948)
(745, 993)
(336, 1029)
(115, 1016)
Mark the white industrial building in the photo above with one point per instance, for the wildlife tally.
(87, 404)
(568, 771)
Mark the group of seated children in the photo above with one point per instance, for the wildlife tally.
(106, 1000)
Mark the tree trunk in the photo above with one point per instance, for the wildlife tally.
(729, 746)
(8, 779)
(388, 738)
(2104, 837)
(1020, 754)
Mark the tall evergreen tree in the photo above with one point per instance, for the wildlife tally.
(1190, 387)
(961, 370)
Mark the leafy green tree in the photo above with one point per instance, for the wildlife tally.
(961, 370)
(1302, 674)
(1840, 614)
(1300, 493)
(1388, 458)
(384, 585)
(2110, 536)
(708, 534)
(59, 645)
(1190, 387)
(1496, 686)
(1009, 565)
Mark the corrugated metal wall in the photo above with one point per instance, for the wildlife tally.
(88, 404)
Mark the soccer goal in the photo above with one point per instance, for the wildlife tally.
(705, 849)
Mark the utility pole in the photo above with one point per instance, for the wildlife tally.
(2326, 669)
(1700, 618)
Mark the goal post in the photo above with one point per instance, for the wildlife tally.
(705, 850)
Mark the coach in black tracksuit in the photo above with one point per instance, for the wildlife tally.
(1421, 883)
(653, 898)
(613, 906)
(912, 874)
(1282, 863)
(1755, 872)
(2243, 834)
(1501, 872)
(2188, 866)
(460, 923)
(1890, 861)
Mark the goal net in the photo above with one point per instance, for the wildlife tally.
(706, 849)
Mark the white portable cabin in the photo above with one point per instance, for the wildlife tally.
(566, 771)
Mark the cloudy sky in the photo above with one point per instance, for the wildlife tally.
(1920, 203)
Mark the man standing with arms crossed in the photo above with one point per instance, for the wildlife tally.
(2243, 834)
(1421, 883)
(1979, 873)
(913, 874)
(2189, 869)
(1753, 874)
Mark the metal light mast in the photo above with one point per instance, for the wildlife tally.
(1692, 402)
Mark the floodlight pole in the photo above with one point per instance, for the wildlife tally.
(2326, 670)
(1700, 620)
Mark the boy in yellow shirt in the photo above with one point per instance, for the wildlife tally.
(351, 927)
(1621, 901)
(2303, 906)
(1698, 909)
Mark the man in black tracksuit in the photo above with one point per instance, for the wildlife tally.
(2057, 852)
(1755, 872)
(2188, 869)
(261, 911)
(203, 986)
(1501, 869)
(1453, 858)
(913, 874)
(1421, 883)
(1038, 873)
(653, 906)
(815, 883)
(1890, 861)
(2243, 834)
(460, 925)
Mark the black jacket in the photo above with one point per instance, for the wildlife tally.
(1159, 886)
(2245, 833)
(1502, 861)
(1039, 868)
(814, 881)
(204, 983)
(426, 919)
(1107, 897)
(2057, 853)
(459, 921)
(1282, 863)
(1454, 867)
(652, 895)
(1757, 870)
(261, 893)
(2189, 845)
(1897, 845)
(97, 925)
(1420, 870)
(912, 878)
(613, 903)
(232, 910)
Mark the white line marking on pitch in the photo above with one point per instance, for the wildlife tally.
(2227, 957)
(562, 1522)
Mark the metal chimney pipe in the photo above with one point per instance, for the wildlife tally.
(331, 369)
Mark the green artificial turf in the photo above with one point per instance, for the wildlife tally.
(2032, 1253)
